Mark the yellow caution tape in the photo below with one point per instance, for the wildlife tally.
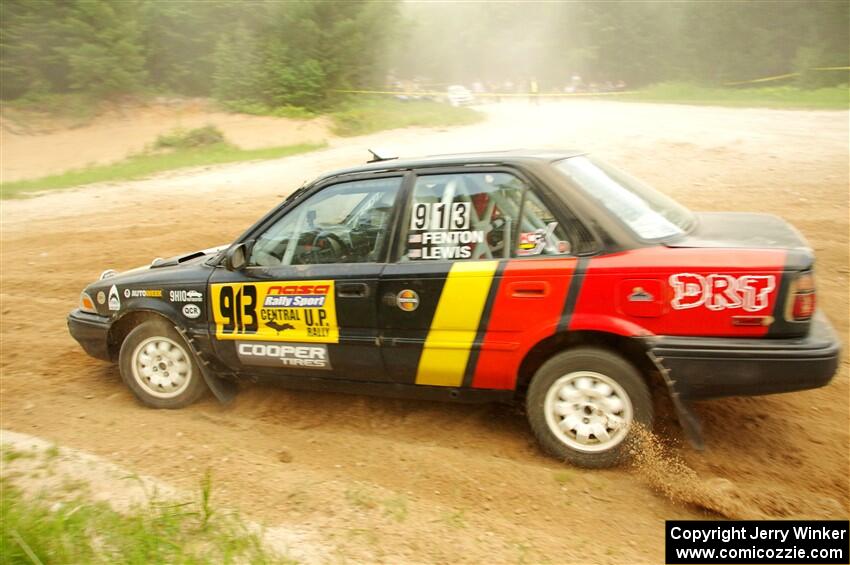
(765, 79)
(568, 94)
(788, 75)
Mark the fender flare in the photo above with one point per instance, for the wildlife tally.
(223, 389)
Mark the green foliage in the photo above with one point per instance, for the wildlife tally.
(76, 107)
(638, 42)
(184, 139)
(260, 109)
(829, 98)
(303, 53)
(300, 52)
(367, 115)
(237, 73)
(146, 164)
(260, 51)
(53, 46)
(81, 531)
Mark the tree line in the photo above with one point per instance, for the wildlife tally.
(711, 42)
(266, 52)
(299, 52)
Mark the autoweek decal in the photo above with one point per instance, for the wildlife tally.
(300, 311)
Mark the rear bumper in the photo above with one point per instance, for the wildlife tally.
(715, 367)
(91, 332)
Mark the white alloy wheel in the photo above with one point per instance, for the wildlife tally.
(588, 411)
(161, 367)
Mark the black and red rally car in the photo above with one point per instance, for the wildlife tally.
(547, 275)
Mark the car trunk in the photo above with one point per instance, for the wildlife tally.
(740, 230)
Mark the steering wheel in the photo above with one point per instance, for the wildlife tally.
(327, 247)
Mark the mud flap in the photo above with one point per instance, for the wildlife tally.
(224, 390)
(689, 422)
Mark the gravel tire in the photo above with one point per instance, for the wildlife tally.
(582, 404)
(157, 364)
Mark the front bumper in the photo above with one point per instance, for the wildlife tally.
(91, 332)
(714, 367)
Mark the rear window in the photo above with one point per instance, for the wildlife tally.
(648, 213)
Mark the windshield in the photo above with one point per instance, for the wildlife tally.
(650, 214)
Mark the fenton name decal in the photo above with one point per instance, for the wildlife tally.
(719, 292)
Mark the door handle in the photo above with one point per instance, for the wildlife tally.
(528, 289)
(352, 290)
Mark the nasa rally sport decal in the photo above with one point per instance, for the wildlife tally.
(303, 355)
(298, 311)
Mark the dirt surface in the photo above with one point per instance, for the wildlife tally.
(401, 481)
(39, 148)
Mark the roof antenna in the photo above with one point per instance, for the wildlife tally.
(379, 155)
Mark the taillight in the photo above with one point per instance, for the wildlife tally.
(802, 301)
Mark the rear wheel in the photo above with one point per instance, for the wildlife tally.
(582, 405)
(158, 366)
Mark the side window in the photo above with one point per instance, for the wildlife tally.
(343, 223)
(478, 216)
(539, 232)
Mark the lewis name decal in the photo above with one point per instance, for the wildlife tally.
(442, 231)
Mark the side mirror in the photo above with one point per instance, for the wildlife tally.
(236, 258)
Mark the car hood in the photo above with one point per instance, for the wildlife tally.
(158, 263)
(742, 230)
(159, 267)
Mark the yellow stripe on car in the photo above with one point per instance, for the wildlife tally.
(455, 323)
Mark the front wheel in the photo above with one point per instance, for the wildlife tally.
(158, 367)
(582, 405)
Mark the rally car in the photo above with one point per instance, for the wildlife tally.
(547, 276)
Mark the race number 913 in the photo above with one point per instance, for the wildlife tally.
(440, 216)
(238, 310)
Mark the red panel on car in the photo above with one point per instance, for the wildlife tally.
(701, 290)
(527, 308)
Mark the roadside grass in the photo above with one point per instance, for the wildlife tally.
(257, 109)
(37, 530)
(149, 162)
(790, 97)
(369, 115)
(9, 454)
(75, 109)
(564, 477)
(207, 146)
(455, 519)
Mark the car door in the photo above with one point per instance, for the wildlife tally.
(305, 304)
(469, 261)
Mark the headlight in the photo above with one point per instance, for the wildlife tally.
(86, 303)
